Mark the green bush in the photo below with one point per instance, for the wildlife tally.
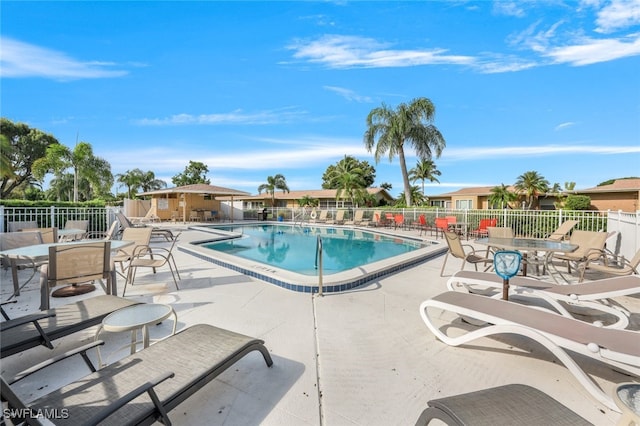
(577, 202)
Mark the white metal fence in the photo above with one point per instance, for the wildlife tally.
(49, 217)
(525, 223)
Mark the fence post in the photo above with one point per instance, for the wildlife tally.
(52, 214)
(2, 219)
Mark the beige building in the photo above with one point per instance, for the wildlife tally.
(623, 194)
(326, 198)
(182, 202)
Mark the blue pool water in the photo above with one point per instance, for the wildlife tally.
(294, 248)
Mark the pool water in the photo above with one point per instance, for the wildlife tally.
(294, 248)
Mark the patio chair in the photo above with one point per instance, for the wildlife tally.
(357, 218)
(590, 247)
(48, 235)
(109, 235)
(75, 264)
(141, 238)
(564, 299)
(513, 404)
(156, 257)
(30, 331)
(499, 232)
(456, 249)
(562, 336)
(337, 219)
(19, 225)
(441, 225)
(376, 219)
(321, 218)
(125, 223)
(76, 224)
(144, 387)
(618, 266)
(194, 216)
(14, 240)
(481, 231)
(398, 221)
(562, 231)
(421, 224)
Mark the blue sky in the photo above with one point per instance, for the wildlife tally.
(252, 89)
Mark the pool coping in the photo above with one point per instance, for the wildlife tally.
(332, 283)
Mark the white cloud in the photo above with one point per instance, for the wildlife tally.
(509, 8)
(20, 59)
(284, 115)
(348, 94)
(591, 51)
(618, 14)
(564, 125)
(336, 51)
(453, 154)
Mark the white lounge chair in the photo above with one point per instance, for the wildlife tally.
(593, 295)
(560, 335)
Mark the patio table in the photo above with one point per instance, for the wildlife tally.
(525, 245)
(40, 252)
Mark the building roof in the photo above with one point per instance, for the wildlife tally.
(198, 188)
(619, 185)
(474, 191)
(313, 193)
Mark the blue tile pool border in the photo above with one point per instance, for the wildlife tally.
(305, 288)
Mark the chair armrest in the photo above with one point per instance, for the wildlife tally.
(25, 320)
(82, 351)
(124, 400)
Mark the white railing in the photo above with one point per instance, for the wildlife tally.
(55, 217)
(525, 223)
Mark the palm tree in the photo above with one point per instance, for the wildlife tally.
(148, 182)
(532, 184)
(132, 180)
(308, 201)
(500, 195)
(424, 170)
(274, 182)
(58, 158)
(350, 185)
(408, 124)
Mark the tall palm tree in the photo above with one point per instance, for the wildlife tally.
(424, 170)
(532, 184)
(501, 196)
(273, 183)
(409, 124)
(59, 158)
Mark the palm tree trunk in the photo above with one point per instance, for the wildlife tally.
(405, 177)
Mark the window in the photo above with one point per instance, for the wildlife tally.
(464, 204)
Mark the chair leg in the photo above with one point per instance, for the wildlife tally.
(446, 256)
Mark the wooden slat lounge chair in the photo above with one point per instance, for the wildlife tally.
(513, 404)
(142, 388)
(562, 336)
(593, 295)
(20, 334)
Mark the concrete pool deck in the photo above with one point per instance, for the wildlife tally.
(361, 357)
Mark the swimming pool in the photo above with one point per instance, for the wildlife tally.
(286, 255)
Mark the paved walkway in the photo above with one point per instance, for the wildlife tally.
(362, 357)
